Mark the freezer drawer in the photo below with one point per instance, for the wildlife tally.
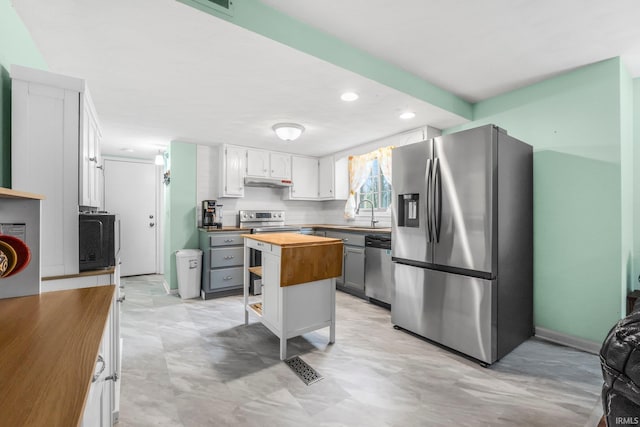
(457, 311)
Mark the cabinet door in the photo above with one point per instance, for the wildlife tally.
(233, 169)
(280, 165)
(258, 163)
(44, 158)
(304, 174)
(354, 268)
(271, 310)
(326, 178)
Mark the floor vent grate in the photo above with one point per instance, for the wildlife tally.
(306, 373)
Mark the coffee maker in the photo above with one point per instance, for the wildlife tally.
(211, 214)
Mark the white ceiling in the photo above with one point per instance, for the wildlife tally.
(160, 71)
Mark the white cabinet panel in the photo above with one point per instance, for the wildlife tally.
(333, 178)
(267, 164)
(44, 157)
(232, 170)
(304, 174)
(257, 163)
(280, 165)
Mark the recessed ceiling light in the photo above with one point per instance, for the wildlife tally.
(407, 115)
(349, 96)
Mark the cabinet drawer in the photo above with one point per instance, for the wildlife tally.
(226, 257)
(226, 277)
(354, 239)
(225, 240)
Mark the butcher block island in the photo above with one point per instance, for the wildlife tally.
(298, 283)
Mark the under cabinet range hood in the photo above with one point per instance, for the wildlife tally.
(250, 181)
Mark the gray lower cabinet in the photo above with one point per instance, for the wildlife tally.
(354, 268)
(352, 279)
(223, 263)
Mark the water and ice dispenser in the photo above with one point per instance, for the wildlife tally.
(408, 210)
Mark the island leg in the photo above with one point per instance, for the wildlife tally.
(283, 348)
(332, 327)
(246, 264)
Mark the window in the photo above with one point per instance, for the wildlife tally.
(376, 189)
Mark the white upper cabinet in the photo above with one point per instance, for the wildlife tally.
(232, 170)
(47, 137)
(304, 174)
(280, 164)
(333, 178)
(257, 163)
(267, 164)
(90, 158)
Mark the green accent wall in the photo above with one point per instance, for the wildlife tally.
(181, 230)
(581, 187)
(262, 19)
(16, 47)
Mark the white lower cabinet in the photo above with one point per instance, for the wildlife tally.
(98, 410)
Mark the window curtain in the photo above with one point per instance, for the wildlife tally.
(359, 170)
(384, 160)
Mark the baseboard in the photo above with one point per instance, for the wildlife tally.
(168, 289)
(568, 340)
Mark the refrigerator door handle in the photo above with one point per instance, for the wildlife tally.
(437, 199)
(427, 181)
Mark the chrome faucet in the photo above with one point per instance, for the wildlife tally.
(373, 221)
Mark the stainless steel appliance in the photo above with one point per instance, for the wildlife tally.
(262, 221)
(378, 279)
(211, 214)
(463, 241)
(99, 240)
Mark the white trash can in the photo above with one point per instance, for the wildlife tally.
(189, 269)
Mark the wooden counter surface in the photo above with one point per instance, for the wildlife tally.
(226, 228)
(49, 344)
(287, 240)
(304, 258)
(108, 270)
(369, 230)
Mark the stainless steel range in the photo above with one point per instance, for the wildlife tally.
(262, 222)
(265, 222)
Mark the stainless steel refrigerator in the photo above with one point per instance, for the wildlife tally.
(462, 241)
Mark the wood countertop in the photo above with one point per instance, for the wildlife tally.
(49, 344)
(108, 270)
(288, 240)
(348, 228)
(226, 228)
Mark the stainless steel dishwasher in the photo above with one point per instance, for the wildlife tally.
(378, 279)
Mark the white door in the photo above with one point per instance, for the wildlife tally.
(257, 163)
(280, 165)
(130, 191)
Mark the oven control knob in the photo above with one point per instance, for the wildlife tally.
(251, 216)
(279, 215)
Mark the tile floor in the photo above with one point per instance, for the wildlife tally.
(194, 363)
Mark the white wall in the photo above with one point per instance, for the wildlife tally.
(298, 212)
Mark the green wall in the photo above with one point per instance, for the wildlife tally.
(574, 122)
(16, 47)
(181, 230)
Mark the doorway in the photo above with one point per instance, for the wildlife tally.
(130, 190)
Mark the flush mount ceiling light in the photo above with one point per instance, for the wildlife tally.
(349, 96)
(288, 131)
(159, 159)
(407, 115)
